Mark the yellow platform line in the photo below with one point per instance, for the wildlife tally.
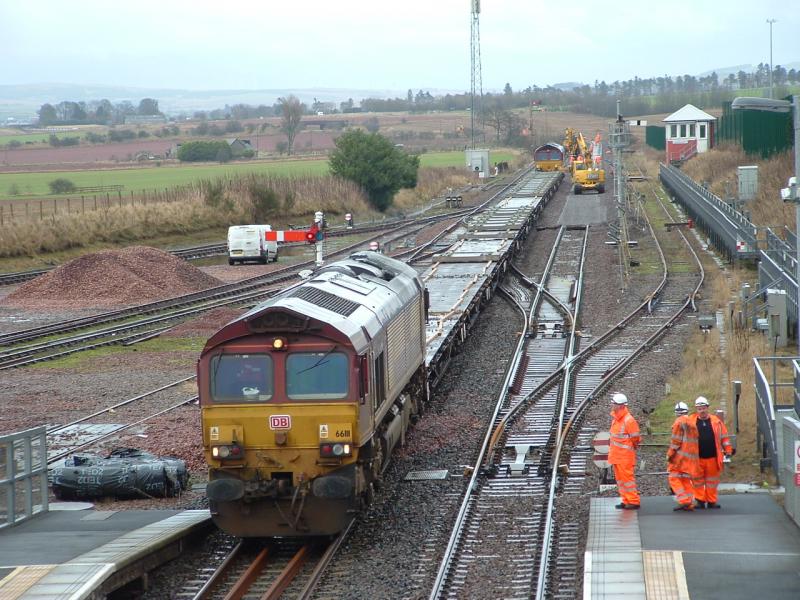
(664, 575)
(21, 579)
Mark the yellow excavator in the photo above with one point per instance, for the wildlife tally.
(585, 162)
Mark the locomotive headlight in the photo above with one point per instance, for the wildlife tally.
(279, 344)
(232, 452)
(335, 450)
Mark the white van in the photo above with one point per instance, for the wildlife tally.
(246, 242)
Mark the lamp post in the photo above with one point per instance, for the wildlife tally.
(770, 21)
(792, 192)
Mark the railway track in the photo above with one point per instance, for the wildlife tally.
(128, 326)
(417, 253)
(145, 321)
(537, 449)
(201, 251)
(108, 422)
(264, 571)
(506, 508)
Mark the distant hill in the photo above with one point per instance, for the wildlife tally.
(725, 71)
(22, 101)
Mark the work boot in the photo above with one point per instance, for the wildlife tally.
(620, 505)
(684, 507)
(630, 506)
(699, 504)
(713, 505)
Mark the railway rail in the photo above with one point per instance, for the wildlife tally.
(89, 430)
(460, 281)
(155, 317)
(211, 249)
(521, 471)
(515, 228)
(19, 348)
(264, 571)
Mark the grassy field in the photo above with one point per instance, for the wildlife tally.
(35, 185)
(44, 137)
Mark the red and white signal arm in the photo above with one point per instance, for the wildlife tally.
(280, 422)
(601, 444)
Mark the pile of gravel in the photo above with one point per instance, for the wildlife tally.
(131, 276)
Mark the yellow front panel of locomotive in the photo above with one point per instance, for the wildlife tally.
(281, 426)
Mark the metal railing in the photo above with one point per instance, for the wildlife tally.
(730, 231)
(23, 475)
(778, 263)
(775, 389)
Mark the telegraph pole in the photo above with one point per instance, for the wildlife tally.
(770, 21)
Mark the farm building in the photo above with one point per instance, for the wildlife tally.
(239, 147)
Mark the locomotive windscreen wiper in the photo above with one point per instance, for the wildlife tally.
(321, 361)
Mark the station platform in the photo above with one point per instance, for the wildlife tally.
(88, 553)
(749, 548)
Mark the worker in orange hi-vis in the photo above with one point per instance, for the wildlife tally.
(683, 458)
(625, 438)
(713, 444)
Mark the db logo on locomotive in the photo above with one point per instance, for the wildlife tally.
(280, 422)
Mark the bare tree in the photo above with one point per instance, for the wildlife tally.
(497, 117)
(291, 115)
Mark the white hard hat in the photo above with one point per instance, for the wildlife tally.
(701, 401)
(619, 398)
(681, 408)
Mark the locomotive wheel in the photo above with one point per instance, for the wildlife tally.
(368, 496)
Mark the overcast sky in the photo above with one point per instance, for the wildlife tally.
(378, 45)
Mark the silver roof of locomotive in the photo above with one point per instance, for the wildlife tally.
(356, 295)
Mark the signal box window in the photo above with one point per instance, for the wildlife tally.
(241, 378)
(673, 131)
(702, 132)
(317, 375)
(683, 130)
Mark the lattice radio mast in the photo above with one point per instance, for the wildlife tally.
(476, 91)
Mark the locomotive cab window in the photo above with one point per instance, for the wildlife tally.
(317, 375)
(241, 378)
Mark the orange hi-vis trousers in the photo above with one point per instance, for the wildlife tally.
(707, 480)
(683, 486)
(626, 484)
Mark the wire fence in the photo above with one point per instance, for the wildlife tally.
(20, 210)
